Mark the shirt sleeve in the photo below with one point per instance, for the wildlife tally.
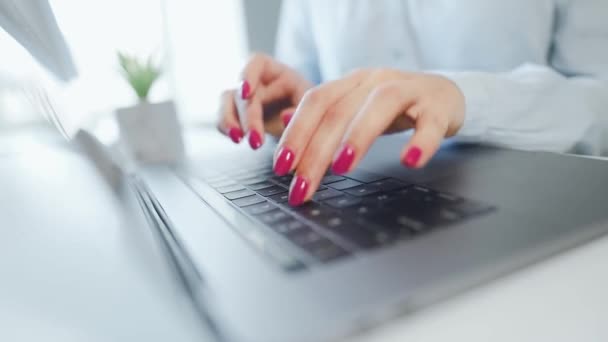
(559, 107)
(295, 39)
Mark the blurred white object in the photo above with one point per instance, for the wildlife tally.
(32, 23)
(151, 132)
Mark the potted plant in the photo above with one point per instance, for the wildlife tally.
(150, 131)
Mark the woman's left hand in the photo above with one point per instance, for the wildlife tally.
(337, 122)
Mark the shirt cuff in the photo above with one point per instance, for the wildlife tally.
(477, 104)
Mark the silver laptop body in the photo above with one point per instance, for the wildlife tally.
(260, 286)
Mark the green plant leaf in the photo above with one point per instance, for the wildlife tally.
(140, 75)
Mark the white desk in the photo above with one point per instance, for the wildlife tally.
(107, 281)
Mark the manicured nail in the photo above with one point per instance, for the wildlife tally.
(344, 160)
(284, 161)
(412, 157)
(297, 191)
(236, 134)
(286, 118)
(255, 140)
(245, 90)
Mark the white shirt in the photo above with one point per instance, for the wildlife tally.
(534, 72)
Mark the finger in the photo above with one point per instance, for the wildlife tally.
(305, 121)
(303, 124)
(310, 111)
(255, 122)
(228, 122)
(430, 130)
(276, 125)
(327, 138)
(260, 69)
(286, 86)
(286, 115)
(380, 109)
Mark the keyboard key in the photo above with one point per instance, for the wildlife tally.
(214, 179)
(362, 190)
(351, 232)
(260, 241)
(364, 176)
(331, 179)
(397, 225)
(411, 224)
(427, 212)
(312, 210)
(389, 184)
(252, 180)
(260, 185)
(238, 194)
(282, 180)
(345, 184)
(259, 208)
(271, 191)
(381, 199)
(469, 208)
(325, 251)
(303, 237)
(418, 194)
(363, 209)
(273, 217)
(343, 202)
(448, 216)
(446, 198)
(229, 188)
(249, 200)
(326, 194)
(289, 226)
(280, 198)
(222, 183)
(285, 260)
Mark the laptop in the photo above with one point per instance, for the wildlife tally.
(375, 244)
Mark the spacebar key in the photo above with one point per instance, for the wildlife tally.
(268, 247)
(249, 200)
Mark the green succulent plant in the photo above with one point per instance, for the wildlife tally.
(141, 75)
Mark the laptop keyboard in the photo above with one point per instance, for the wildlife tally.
(348, 214)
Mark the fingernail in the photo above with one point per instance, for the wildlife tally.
(286, 118)
(236, 134)
(245, 90)
(297, 191)
(412, 157)
(344, 160)
(255, 140)
(284, 161)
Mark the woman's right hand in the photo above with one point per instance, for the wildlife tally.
(271, 92)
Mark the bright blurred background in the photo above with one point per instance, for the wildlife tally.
(201, 45)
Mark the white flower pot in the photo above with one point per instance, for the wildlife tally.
(151, 132)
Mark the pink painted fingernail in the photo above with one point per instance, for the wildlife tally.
(297, 191)
(255, 140)
(236, 134)
(284, 161)
(245, 90)
(412, 157)
(344, 160)
(286, 118)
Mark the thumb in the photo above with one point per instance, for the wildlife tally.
(286, 115)
(277, 125)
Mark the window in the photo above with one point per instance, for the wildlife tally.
(201, 44)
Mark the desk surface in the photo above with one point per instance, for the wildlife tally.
(101, 277)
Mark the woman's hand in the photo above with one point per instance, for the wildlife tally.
(270, 91)
(336, 123)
